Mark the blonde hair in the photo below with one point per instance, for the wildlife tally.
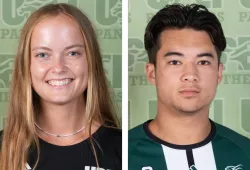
(19, 134)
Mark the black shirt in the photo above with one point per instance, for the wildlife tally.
(108, 145)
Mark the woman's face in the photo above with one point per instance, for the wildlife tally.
(59, 69)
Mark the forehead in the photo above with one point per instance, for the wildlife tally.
(56, 28)
(186, 38)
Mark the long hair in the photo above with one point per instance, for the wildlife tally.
(19, 132)
(178, 16)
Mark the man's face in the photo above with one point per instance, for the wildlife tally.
(187, 71)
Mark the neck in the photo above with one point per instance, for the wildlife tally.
(62, 119)
(181, 128)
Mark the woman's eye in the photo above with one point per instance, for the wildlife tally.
(174, 62)
(73, 53)
(203, 62)
(42, 55)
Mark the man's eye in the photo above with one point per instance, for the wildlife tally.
(174, 62)
(203, 62)
(42, 55)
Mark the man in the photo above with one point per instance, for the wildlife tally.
(184, 45)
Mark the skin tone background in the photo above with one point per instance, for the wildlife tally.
(104, 14)
(231, 105)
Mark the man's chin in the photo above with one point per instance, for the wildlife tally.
(189, 110)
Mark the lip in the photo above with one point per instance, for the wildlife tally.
(189, 92)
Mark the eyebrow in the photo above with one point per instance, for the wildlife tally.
(173, 53)
(69, 47)
(75, 45)
(207, 54)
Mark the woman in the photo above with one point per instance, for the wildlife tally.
(60, 113)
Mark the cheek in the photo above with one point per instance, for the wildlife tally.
(209, 76)
(209, 82)
(168, 74)
(168, 79)
(37, 70)
(81, 70)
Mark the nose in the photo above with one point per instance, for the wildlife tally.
(190, 73)
(58, 65)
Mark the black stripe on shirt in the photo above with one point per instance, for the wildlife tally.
(190, 158)
(208, 139)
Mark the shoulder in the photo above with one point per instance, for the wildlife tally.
(234, 138)
(136, 132)
(232, 135)
(110, 145)
(109, 136)
(110, 142)
(135, 135)
(112, 132)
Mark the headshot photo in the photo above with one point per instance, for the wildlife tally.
(60, 85)
(188, 85)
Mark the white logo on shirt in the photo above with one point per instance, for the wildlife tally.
(27, 166)
(86, 168)
(94, 168)
(147, 168)
(238, 167)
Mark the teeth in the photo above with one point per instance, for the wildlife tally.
(59, 82)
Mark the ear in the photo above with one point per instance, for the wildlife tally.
(220, 71)
(150, 73)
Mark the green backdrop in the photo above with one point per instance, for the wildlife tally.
(231, 107)
(106, 16)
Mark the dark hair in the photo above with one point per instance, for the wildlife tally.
(178, 16)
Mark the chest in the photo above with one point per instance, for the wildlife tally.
(74, 157)
(207, 157)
